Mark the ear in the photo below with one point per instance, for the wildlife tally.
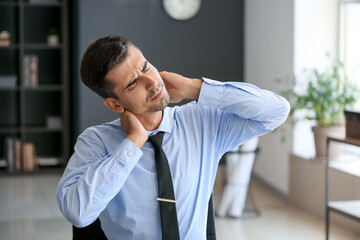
(114, 104)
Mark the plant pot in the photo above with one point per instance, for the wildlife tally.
(320, 135)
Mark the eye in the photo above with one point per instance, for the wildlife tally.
(147, 69)
(133, 84)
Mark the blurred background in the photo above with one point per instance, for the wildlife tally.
(44, 106)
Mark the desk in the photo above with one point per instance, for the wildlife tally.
(350, 209)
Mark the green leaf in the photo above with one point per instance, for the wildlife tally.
(327, 94)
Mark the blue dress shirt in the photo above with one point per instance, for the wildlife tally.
(108, 176)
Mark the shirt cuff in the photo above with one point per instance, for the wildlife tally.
(211, 93)
(127, 153)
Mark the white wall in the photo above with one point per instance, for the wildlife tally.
(282, 37)
(269, 49)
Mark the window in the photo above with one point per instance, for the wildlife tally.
(349, 39)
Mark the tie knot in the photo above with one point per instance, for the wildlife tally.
(156, 140)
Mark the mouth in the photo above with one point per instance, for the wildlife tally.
(158, 95)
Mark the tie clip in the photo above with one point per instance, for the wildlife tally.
(166, 200)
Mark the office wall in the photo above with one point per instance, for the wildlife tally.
(269, 53)
(210, 44)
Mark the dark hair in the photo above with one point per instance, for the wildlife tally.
(99, 58)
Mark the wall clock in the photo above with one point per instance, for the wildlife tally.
(182, 9)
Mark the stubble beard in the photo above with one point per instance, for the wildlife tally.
(162, 104)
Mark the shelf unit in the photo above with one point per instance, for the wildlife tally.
(348, 208)
(24, 110)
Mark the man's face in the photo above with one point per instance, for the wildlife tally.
(138, 85)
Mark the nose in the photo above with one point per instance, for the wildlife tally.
(150, 82)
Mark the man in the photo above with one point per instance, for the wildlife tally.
(112, 173)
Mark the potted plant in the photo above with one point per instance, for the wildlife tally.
(325, 96)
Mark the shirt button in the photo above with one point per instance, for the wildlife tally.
(129, 154)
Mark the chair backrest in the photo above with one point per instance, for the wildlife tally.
(91, 232)
(210, 228)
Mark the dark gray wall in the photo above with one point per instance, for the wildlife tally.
(209, 45)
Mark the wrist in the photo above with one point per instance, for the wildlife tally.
(138, 139)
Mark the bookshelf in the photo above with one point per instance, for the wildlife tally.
(347, 208)
(34, 93)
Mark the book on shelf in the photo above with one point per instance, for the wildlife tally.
(31, 70)
(17, 154)
(20, 156)
(13, 154)
(29, 157)
(10, 154)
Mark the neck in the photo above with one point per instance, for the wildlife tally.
(151, 121)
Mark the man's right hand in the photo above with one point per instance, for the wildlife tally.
(134, 129)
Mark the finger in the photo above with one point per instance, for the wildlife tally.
(168, 75)
(164, 75)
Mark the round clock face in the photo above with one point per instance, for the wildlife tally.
(182, 9)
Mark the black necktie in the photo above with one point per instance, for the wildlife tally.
(169, 222)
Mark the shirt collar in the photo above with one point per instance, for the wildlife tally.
(165, 125)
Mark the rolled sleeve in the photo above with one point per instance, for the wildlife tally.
(245, 100)
(210, 95)
(243, 111)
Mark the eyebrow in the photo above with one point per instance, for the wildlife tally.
(133, 81)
